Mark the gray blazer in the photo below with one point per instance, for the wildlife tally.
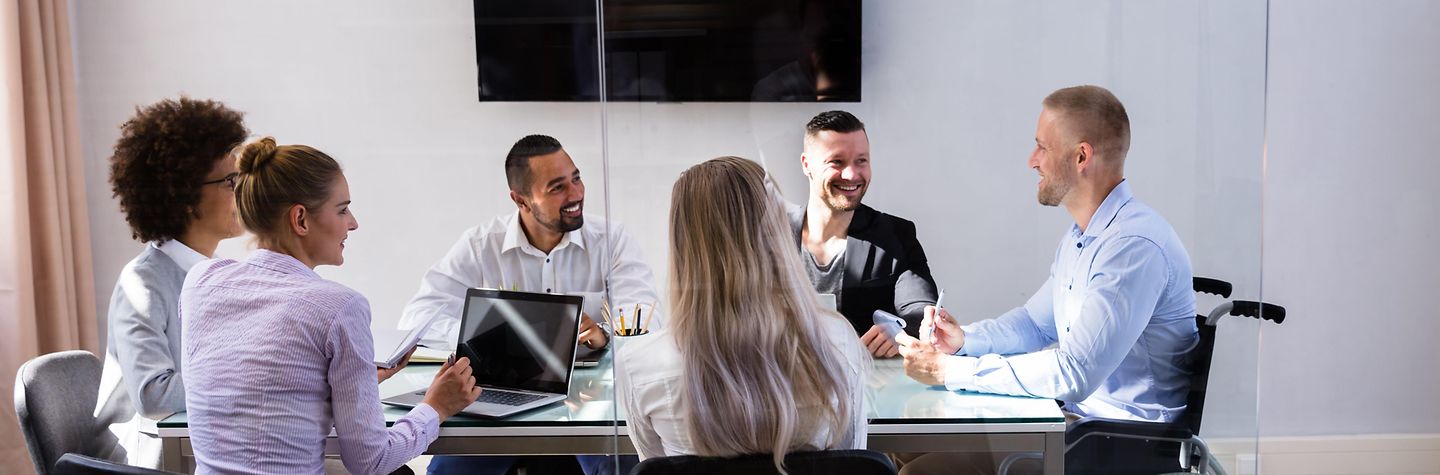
(142, 379)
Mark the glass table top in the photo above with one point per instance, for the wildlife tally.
(891, 398)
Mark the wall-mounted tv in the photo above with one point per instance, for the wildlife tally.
(669, 51)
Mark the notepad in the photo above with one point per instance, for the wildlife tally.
(390, 350)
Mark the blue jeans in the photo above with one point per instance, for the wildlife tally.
(499, 464)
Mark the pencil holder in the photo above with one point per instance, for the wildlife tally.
(629, 332)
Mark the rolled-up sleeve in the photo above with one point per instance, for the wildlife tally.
(442, 293)
(630, 279)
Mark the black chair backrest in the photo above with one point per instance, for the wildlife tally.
(857, 462)
(1200, 356)
(1199, 375)
(76, 464)
(54, 402)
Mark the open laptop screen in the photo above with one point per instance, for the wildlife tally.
(520, 340)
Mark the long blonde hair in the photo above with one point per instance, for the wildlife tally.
(750, 330)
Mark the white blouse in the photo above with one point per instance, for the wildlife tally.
(648, 379)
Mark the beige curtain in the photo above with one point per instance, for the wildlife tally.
(47, 293)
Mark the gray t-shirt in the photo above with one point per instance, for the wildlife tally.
(826, 279)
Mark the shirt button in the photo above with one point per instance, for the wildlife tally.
(547, 260)
(1077, 246)
(547, 291)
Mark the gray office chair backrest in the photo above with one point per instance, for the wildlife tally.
(55, 402)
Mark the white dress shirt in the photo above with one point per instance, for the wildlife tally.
(180, 253)
(497, 255)
(648, 378)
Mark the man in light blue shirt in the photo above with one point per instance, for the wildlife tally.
(1110, 331)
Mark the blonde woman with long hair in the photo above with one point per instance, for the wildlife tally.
(751, 363)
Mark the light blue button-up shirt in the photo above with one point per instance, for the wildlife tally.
(1119, 310)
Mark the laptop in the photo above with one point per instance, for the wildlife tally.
(589, 357)
(827, 301)
(521, 347)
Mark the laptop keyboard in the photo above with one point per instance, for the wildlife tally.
(504, 398)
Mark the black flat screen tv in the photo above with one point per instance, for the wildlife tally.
(669, 51)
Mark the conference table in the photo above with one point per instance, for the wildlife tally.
(905, 416)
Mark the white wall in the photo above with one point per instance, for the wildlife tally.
(951, 89)
(1351, 218)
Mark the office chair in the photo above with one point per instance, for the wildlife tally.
(857, 462)
(76, 464)
(1113, 446)
(54, 402)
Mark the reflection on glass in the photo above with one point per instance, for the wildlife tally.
(519, 343)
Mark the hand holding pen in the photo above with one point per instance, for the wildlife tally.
(944, 333)
(927, 326)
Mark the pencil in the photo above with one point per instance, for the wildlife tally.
(646, 329)
(606, 315)
(637, 317)
(609, 317)
(622, 323)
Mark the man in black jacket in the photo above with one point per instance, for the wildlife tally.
(868, 259)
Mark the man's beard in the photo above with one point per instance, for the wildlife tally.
(838, 202)
(1053, 192)
(560, 224)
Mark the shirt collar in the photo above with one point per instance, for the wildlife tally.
(283, 263)
(1105, 214)
(515, 237)
(180, 253)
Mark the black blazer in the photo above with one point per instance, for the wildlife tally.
(885, 269)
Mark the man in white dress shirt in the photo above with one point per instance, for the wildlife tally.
(547, 245)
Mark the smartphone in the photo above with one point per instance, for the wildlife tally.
(888, 323)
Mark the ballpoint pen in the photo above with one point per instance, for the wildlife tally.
(636, 329)
(926, 331)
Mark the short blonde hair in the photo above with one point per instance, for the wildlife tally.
(1093, 115)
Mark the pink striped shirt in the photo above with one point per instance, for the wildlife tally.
(274, 356)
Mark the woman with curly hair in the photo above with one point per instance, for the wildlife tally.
(174, 174)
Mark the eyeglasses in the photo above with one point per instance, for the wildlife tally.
(229, 181)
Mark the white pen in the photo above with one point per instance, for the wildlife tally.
(927, 330)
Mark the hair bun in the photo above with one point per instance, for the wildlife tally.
(256, 155)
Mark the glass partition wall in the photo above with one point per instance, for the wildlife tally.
(949, 94)
(421, 103)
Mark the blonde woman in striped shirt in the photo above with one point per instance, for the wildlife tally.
(275, 355)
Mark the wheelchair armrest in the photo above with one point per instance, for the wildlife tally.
(1129, 429)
